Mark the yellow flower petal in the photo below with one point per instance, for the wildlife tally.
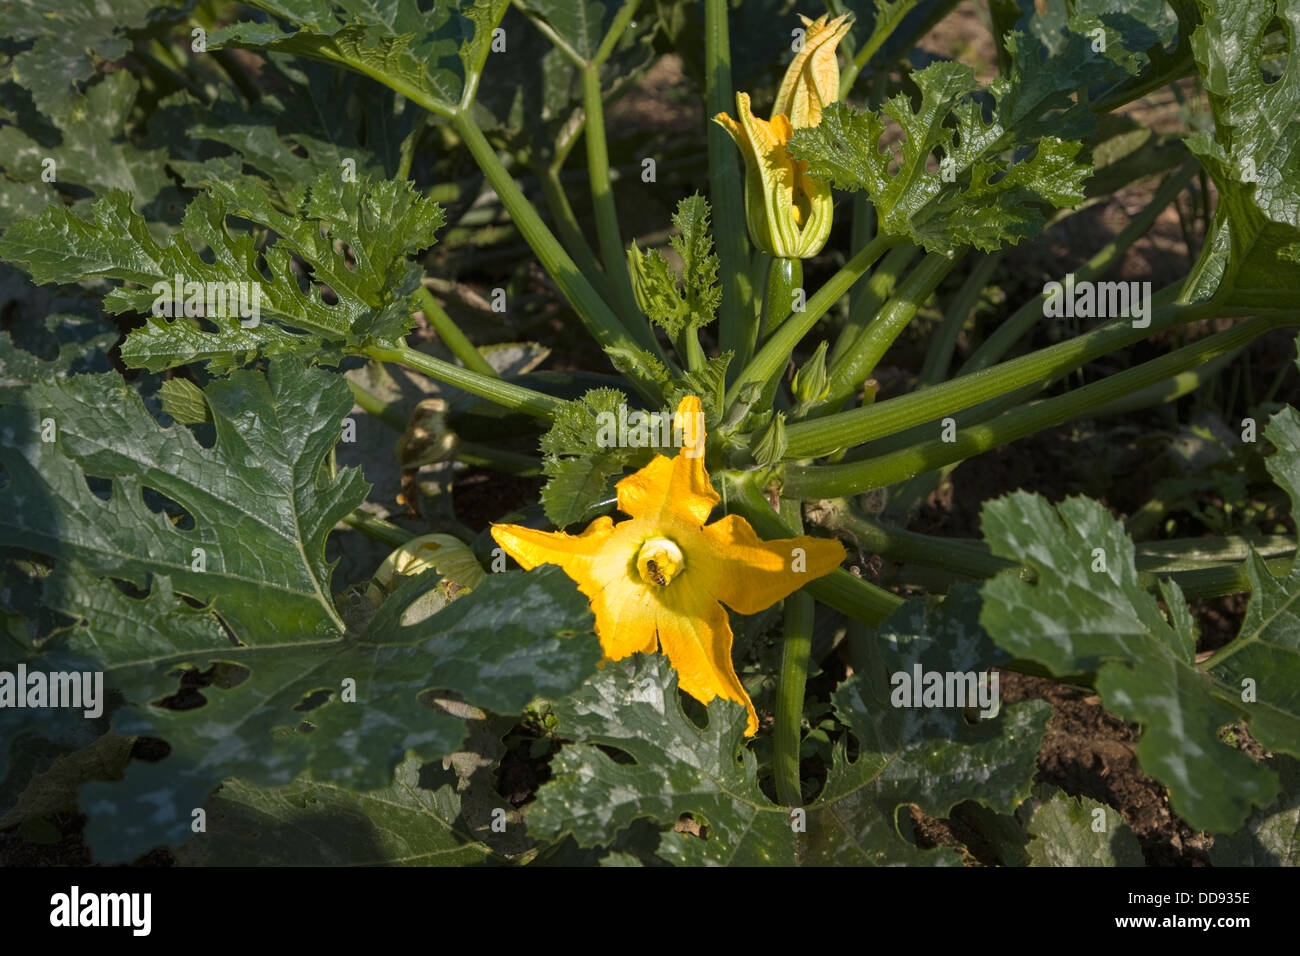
(696, 636)
(815, 228)
(788, 213)
(672, 491)
(750, 574)
(531, 547)
(758, 183)
(769, 182)
(625, 612)
(812, 81)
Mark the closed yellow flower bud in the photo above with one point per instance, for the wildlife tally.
(813, 77)
(788, 212)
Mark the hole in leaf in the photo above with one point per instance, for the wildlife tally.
(616, 755)
(695, 712)
(349, 257)
(434, 775)
(222, 675)
(313, 699)
(101, 488)
(208, 326)
(689, 825)
(187, 696)
(1273, 48)
(236, 642)
(130, 589)
(227, 674)
(302, 274)
(524, 767)
(150, 749)
(159, 503)
(263, 268)
(205, 434)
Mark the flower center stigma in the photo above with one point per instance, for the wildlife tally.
(659, 561)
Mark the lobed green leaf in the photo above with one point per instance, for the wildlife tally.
(1085, 612)
(932, 758)
(379, 222)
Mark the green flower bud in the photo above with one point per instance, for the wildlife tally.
(811, 384)
(772, 443)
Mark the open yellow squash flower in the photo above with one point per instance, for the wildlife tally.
(788, 212)
(656, 580)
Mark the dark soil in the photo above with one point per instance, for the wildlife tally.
(1086, 752)
(1089, 752)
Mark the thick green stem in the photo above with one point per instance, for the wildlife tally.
(600, 320)
(965, 418)
(378, 528)
(608, 232)
(372, 404)
(1186, 554)
(1222, 579)
(841, 590)
(912, 492)
(796, 650)
(792, 681)
(566, 224)
(688, 346)
(493, 389)
(756, 278)
(969, 558)
(775, 353)
(451, 335)
(860, 361)
(880, 32)
(784, 281)
(870, 296)
(1169, 390)
(1194, 563)
(821, 436)
(508, 462)
(735, 325)
(839, 480)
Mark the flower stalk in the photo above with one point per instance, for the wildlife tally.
(817, 437)
(791, 684)
(736, 326)
(837, 480)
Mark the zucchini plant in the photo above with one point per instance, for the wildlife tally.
(415, 451)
